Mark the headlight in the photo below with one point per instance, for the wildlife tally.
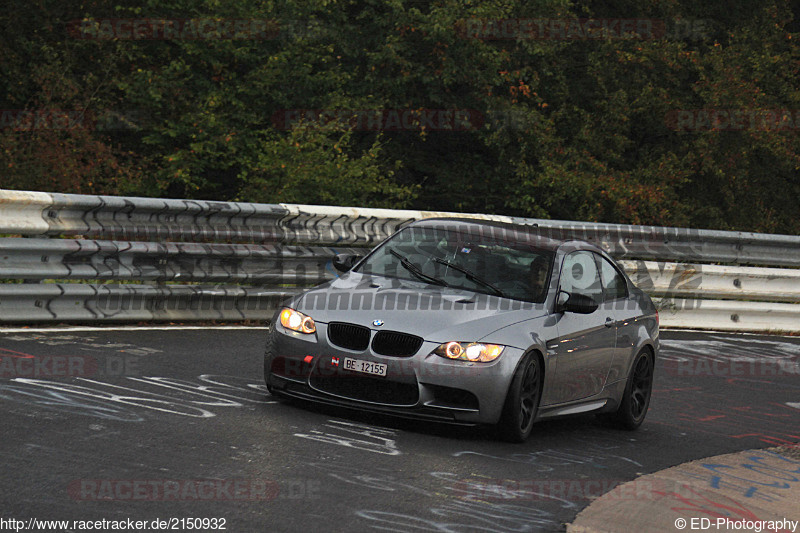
(472, 351)
(297, 321)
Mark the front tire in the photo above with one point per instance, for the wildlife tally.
(522, 402)
(636, 398)
(269, 355)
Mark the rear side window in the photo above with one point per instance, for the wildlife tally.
(614, 284)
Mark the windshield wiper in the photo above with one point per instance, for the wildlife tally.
(414, 269)
(470, 275)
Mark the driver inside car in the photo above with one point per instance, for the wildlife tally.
(537, 276)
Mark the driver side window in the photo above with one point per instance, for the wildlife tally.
(579, 275)
(613, 281)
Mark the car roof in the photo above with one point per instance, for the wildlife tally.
(529, 234)
(492, 229)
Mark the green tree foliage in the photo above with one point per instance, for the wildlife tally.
(582, 128)
(310, 165)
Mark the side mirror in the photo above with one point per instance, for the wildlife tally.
(575, 303)
(344, 262)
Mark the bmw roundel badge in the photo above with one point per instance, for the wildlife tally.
(377, 322)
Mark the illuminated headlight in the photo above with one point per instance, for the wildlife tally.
(297, 321)
(472, 351)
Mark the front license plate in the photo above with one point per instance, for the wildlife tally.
(365, 367)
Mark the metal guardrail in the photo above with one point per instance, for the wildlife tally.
(43, 259)
(730, 315)
(149, 219)
(166, 252)
(682, 280)
(58, 302)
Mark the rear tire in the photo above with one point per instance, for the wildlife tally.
(636, 398)
(522, 402)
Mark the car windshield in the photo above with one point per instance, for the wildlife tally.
(488, 262)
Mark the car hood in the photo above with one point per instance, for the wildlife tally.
(437, 314)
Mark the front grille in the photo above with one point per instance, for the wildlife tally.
(348, 336)
(396, 344)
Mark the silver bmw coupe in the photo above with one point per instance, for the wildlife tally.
(471, 322)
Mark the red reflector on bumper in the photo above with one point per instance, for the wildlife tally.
(308, 358)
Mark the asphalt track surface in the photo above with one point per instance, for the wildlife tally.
(176, 424)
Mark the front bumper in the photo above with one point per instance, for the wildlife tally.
(422, 386)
